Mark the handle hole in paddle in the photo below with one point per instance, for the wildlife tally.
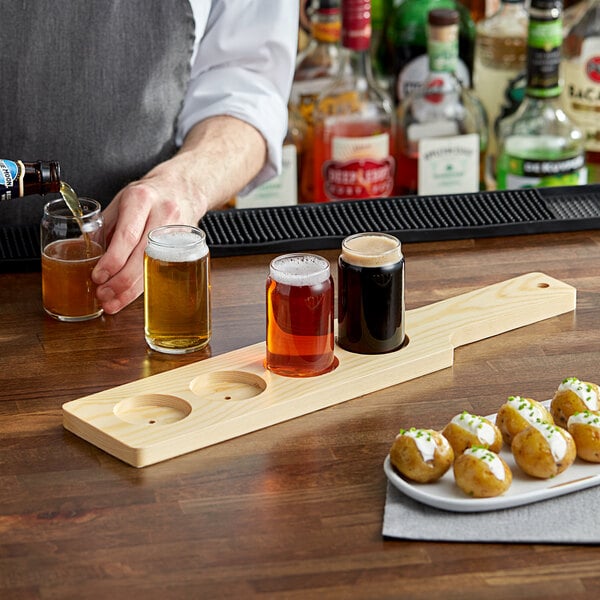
(543, 285)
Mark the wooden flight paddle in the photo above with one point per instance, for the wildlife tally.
(213, 400)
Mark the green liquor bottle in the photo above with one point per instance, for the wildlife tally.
(406, 44)
(538, 146)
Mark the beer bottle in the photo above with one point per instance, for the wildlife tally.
(19, 178)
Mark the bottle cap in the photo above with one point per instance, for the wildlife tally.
(442, 17)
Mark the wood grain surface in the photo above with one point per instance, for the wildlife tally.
(291, 511)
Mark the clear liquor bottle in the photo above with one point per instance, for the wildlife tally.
(538, 145)
(500, 53)
(354, 121)
(442, 126)
(316, 68)
(406, 44)
(581, 76)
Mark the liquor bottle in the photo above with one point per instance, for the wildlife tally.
(283, 189)
(316, 67)
(581, 76)
(538, 145)
(354, 121)
(381, 11)
(500, 51)
(19, 178)
(442, 125)
(406, 43)
(481, 9)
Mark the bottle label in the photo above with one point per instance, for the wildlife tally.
(582, 91)
(279, 191)
(519, 173)
(544, 43)
(414, 74)
(327, 31)
(443, 54)
(361, 167)
(10, 181)
(449, 165)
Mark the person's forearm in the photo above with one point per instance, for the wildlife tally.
(218, 158)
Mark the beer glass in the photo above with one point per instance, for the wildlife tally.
(177, 317)
(371, 294)
(300, 311)
(71, 245)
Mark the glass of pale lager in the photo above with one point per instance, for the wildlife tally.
(71, 244)
(177, 316)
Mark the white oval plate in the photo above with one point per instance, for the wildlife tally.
(445, 494)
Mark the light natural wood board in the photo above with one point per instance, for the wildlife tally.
(213, 400)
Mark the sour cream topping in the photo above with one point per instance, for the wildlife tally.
(424, 441)
(526, 408)
(554, 438)
(491, 459)
(585, 391)
(585, 418)
(477, 426)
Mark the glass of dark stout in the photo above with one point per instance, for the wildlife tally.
(371, 294)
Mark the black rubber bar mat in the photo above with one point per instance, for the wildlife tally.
(410, 218)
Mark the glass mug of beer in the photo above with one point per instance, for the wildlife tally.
(371, 294)
(71, 247)
(300, 314)
(177, 313)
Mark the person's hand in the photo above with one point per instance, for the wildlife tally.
(135, 210)
(218, 157)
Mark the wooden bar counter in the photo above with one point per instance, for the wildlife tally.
(291, 511)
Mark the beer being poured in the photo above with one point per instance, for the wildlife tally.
(19, 178)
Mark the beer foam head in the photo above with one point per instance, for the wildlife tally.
(299, 269)
(174, 243)
(371, 250)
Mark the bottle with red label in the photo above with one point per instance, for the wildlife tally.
(580, 67)
(442, 125)
(354, 122)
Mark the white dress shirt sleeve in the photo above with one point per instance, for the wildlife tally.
(243, 66)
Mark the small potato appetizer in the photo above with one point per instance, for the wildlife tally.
(481, 473)
(517, 413)
(543, 450)
(466, 430)
(423, 455)
(585, 429)
(573, 396)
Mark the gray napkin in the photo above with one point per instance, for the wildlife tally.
(568, 519)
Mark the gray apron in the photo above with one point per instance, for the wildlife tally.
(94, 84)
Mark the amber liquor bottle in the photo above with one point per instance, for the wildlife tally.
(354, 121)
(19, 178)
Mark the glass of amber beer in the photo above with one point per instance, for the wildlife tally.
(71, 247)
(177, 317)
(300, 311)
(371, 294)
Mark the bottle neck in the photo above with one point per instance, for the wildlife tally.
(326, 26)
(442, 48)
(544, 41)
(356, 25)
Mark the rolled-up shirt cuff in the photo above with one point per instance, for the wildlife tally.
(258, 105)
